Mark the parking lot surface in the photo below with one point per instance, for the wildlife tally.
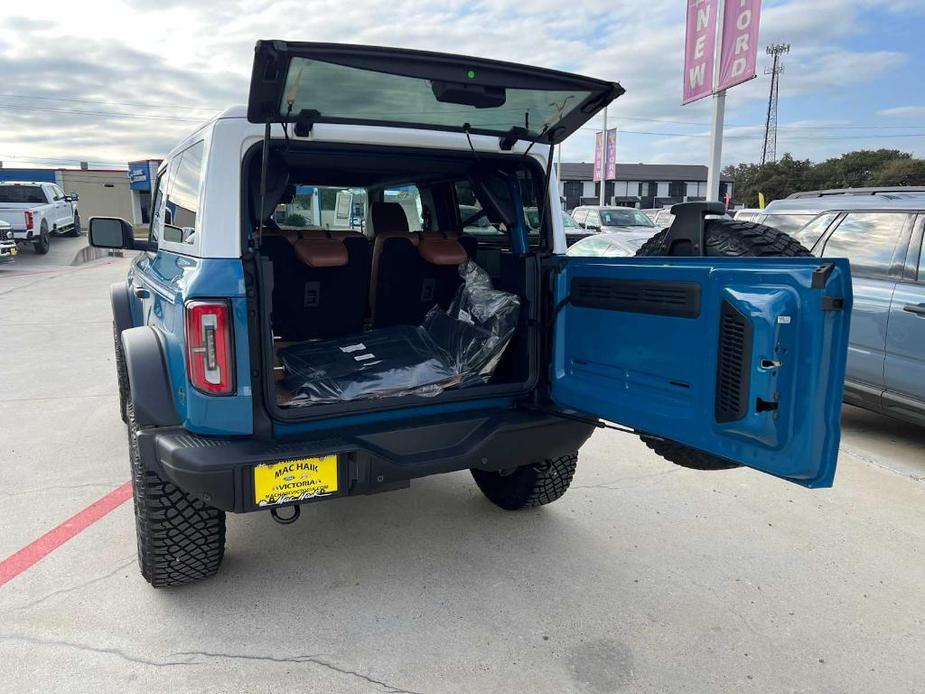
(643, 577)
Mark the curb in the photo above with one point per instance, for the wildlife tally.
(88, 253)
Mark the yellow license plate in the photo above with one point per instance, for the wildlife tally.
(295, 480)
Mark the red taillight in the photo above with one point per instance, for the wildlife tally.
(29, 222)
(209, 351)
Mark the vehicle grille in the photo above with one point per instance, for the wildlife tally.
(733, 362)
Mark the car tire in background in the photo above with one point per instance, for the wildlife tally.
(44, 241)
(181, 539)
(721, 237)
(75, 230)
(527, 486)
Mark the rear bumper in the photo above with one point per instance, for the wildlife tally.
(374, 459)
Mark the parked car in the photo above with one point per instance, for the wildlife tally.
(663, 218)
(8, 248)
(262, 368)
(790, 215)
(651, 212)
(36, 211)
(573, 232)
(886, 352)
(596, 219)
(748, 214)
(610, 244)
(876, 190)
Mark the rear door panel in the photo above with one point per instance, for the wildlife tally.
(740, 358)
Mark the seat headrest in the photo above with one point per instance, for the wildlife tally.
(322, 252)
(388, 216)
(442, 251)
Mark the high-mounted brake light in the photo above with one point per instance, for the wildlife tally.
(209, 347)
(29, 221)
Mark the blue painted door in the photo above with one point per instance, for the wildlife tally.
(741, 358)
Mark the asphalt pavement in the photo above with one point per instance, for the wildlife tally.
(644, 577)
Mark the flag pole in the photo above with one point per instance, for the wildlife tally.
(604, 160)
(719, 113)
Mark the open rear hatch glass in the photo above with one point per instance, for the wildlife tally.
(311, 83)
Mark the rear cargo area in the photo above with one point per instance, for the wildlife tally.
(395, 280)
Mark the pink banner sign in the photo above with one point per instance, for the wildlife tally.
(598, 155)
(699, 49)
(610, 170)
(739, 47)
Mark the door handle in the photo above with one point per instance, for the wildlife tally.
(141, 292)
(918, 309)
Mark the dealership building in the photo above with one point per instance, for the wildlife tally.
(637, 185)
(102, 192)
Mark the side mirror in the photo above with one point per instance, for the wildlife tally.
(113, 232)
(71, 197)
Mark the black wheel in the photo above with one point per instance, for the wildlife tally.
(528, 486)
(121, 372)
(180, 538)
(721, 237)
(41, 246)
(75, 230)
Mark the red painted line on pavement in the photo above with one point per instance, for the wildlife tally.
(32, 553)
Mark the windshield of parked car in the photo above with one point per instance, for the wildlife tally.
(32, 194)
(625, 218)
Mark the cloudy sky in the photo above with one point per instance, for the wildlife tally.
(109, 81)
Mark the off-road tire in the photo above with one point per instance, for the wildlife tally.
(721, 237)
(121, 372)
(528, 486)
(74, 230)
(42, 245)
(180, 538)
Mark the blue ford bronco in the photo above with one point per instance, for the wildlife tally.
(340, 292)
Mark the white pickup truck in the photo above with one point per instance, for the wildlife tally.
(36, 211)
(7, 244)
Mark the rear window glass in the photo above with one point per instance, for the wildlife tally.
(378, 96)
(810, 233)
(788, 223)
(31, 194)
(625, 218)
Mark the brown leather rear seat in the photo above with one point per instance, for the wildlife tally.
(321, 282)
(412, 271)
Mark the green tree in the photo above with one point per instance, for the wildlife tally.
(901, 172)
(857, 169)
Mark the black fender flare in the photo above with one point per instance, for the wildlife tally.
(148, 378)
(121, 306)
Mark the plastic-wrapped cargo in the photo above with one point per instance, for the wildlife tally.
(458, 347)
(390, 361)
(478, 326)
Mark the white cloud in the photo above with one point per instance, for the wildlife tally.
(180, 62)
(903, 112)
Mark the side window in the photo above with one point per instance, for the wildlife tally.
(594, 219)
(868, 240)
(159, 208)
(50, 193)
(809, 234)
(409, 197)
(921, 274)
(580, 216)
(182, 199)
(469, 207)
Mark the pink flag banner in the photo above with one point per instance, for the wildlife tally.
(699, 49)
(739, 42)
(598, 156)
(610, 170)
